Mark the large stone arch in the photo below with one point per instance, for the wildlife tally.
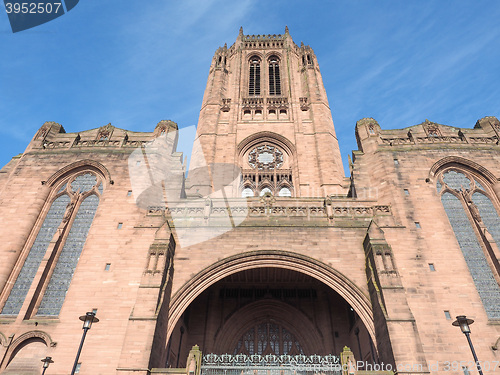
(277, 259)
(459, 162)
(77, 166)
(25, 339)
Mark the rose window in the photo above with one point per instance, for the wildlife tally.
(265, 157)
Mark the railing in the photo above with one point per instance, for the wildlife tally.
(242, 364)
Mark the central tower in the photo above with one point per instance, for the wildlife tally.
(265, 110)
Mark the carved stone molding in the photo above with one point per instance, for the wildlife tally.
(105, 132)
(81, 165)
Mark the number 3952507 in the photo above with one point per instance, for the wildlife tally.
(32, 8)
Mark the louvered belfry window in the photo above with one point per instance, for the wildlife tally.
(254, 79)
(274, 76)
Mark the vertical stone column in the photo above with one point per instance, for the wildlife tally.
(144, 343)
(396, 332)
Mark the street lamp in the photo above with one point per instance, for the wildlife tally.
(46, 362)
(87, 319)
(464, 323)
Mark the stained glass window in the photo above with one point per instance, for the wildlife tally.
(63, 272)
(69, 218)
(484, 215)
(35, 256)
(268, 338)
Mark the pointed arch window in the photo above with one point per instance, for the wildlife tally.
(274, 76)
(266, 170)
(60, 238)
(254, 78)
(476, 224)
(268, 338)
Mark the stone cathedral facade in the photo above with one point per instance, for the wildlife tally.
(263, 247)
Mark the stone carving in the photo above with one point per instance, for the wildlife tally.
(267, 208)
(69, 211)
(225, 106)
(277, 103)
(432, 129)
(44, 130)
(104, 133)
(304, 105)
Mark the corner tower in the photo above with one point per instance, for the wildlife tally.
(265, 110)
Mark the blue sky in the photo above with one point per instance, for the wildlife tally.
(134, 63)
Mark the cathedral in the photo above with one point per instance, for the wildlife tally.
(262, 255)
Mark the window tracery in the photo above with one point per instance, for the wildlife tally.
(266, 173)
(265, 157)
(62, 234)
(476, 224)
(268, 338)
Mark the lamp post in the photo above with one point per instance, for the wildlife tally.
(87, 319)
(464, 323)
(46, 362)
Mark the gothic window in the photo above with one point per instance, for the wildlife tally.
(265, 157)
(476, 225)
(62, 233)
(254, 78)
(24, 279)
(285, 192)
(268, 338)
(247, 192)
(306, 60)
(274, 76)
(265, 190)
(266, 169)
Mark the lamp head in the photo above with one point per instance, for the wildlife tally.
(88, 319)
(47, 361)
(463, 322)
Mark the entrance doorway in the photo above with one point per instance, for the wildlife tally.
(269, 311)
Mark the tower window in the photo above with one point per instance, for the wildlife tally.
(254, 81)
(274, 76)
(265, 190)
(285, 192)
(247, 192)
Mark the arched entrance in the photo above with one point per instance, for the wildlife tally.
(269, 302)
